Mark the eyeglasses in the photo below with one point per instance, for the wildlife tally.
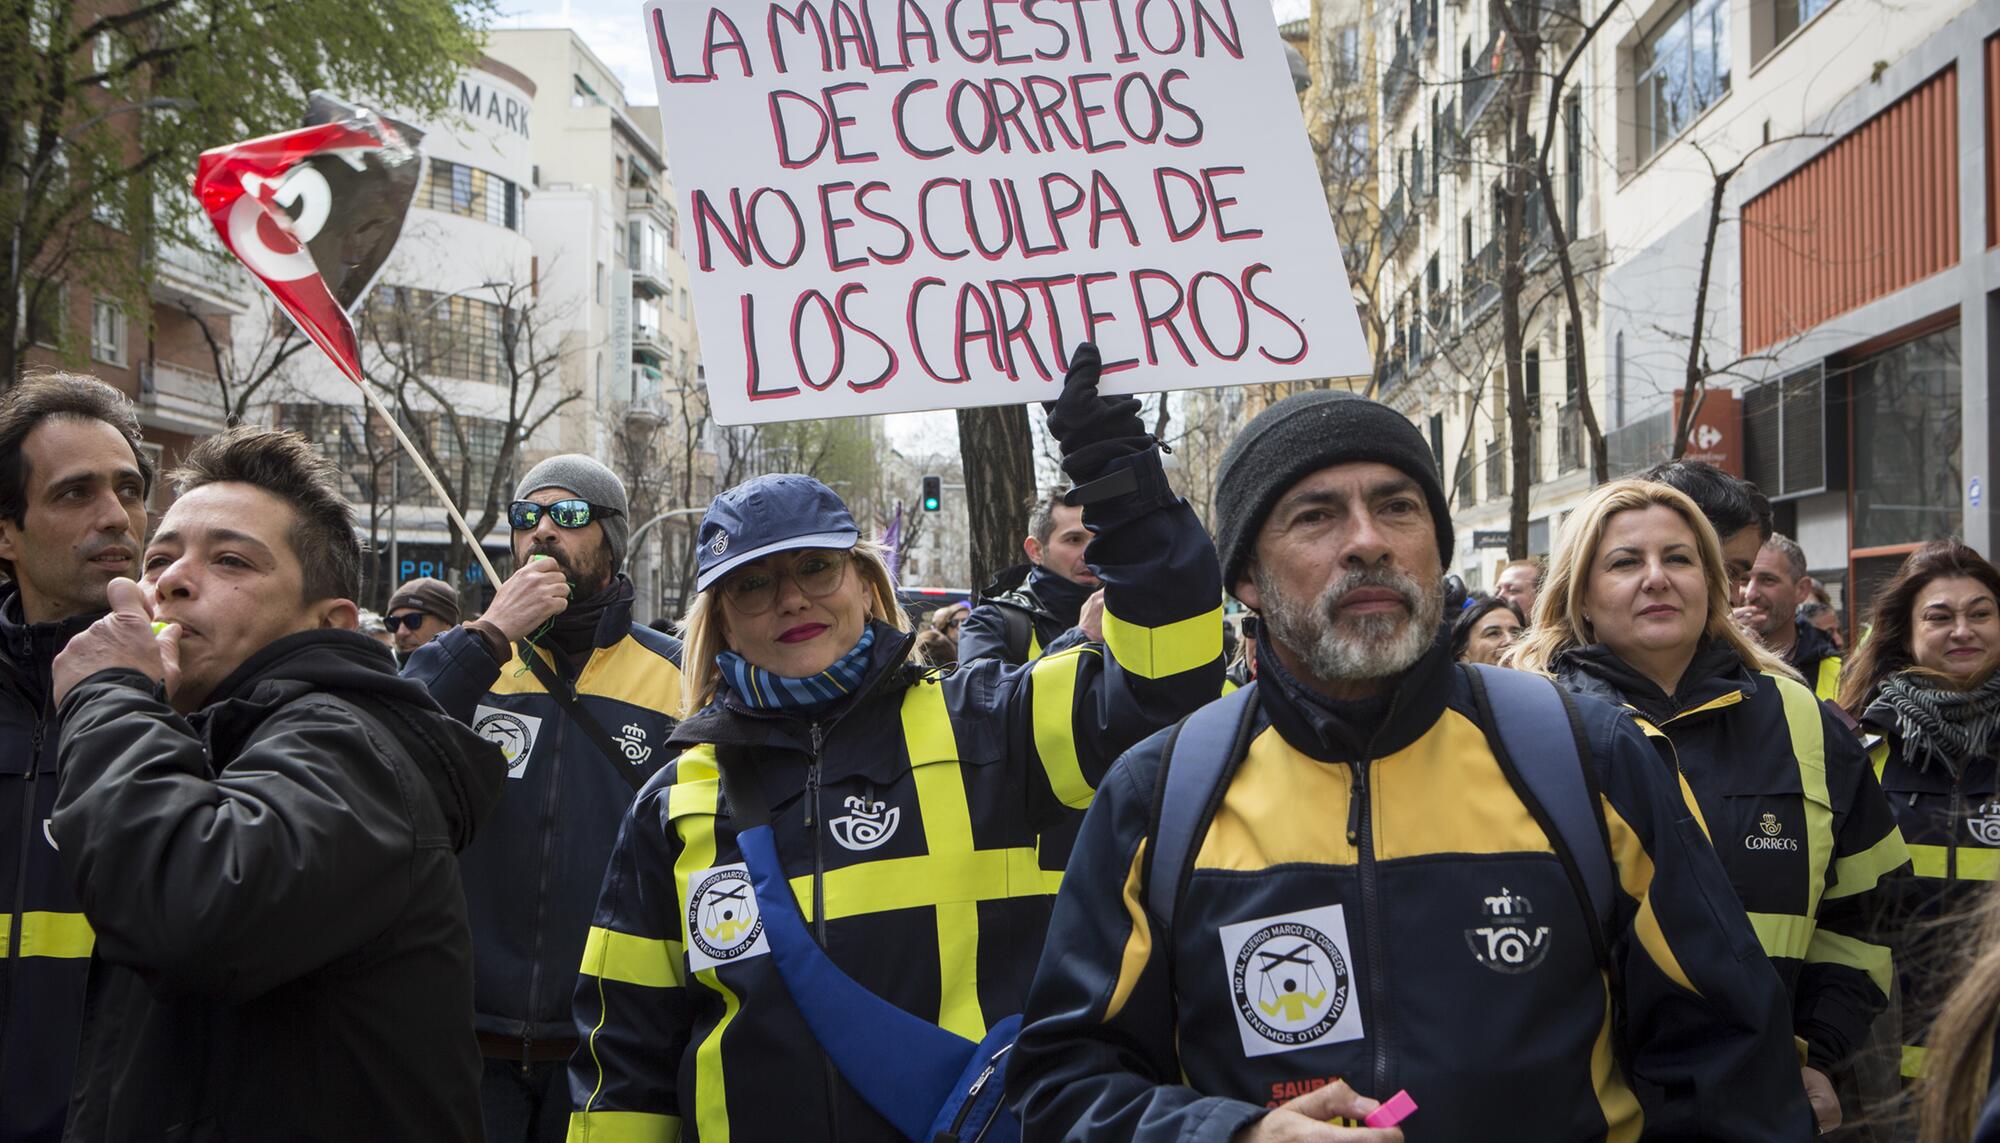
(524, 515)
(754, 591)
(413, 620)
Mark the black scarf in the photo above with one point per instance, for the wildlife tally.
(1937, 719)
(574, 632)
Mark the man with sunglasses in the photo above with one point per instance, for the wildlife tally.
(581, 700)
(420, 611)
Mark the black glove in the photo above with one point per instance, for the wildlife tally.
(1093, 429)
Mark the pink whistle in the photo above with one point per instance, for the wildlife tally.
(1394, 1111)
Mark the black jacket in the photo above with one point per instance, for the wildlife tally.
(1949, 812)
(1797, 817)
(44, 939)
(1816, 659)
(1136, 1032)
(282, 943)
(533, 876)
(1050, 604)
(913, 824)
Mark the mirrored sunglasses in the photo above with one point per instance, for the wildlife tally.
(524, 515)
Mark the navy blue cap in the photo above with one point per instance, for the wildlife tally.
(782, 512)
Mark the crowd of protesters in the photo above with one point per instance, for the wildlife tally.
(1639, 846)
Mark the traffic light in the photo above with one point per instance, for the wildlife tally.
(933, 493)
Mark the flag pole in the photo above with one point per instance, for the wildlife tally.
(437, 486)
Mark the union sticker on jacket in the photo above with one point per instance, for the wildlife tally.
(1291, 981)
(723, 921)
(514, 733)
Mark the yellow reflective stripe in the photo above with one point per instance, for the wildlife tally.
(1783, 934)
(1138, 945)
(1913, 1061)
(697, 797)
(947, 814)
(1973, 864)
(1052, 694)
(1159, 652)
(1827, 686)
(622, 1127)
(645, 961)
(1635, 876)
(1860, 872)
(62, 936)
(711, 1106)
(927, 881)
(1878, 753)
(927, 733)
(1808, 733)
(1034, 643)
(1829, 947)
(1717, 703)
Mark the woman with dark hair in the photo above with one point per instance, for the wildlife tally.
(1485, 629)
(1925, 683)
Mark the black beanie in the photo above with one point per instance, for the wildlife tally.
(1297, 437)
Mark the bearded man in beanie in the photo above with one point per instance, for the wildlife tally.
(580, 700)
(1374, 871)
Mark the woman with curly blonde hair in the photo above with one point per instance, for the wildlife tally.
(1635, 611)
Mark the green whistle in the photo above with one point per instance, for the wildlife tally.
(160, 626)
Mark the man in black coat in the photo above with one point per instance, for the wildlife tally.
(260, 818)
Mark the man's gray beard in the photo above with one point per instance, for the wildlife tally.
(1361, 647)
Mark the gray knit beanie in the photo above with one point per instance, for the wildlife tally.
(574, 472)
(1297, 437)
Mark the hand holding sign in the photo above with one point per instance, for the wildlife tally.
(930, 203)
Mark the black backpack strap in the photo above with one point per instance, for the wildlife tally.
(565, 695)
(1020, 629)
(1200, 754)
(1540, 744)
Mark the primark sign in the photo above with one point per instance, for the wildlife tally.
(476, 100)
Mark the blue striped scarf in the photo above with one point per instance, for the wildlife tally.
(762, 690)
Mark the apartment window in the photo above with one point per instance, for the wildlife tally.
(1347, 53)
(469, 192)
(1531, 375)
(461, 336)
(107, 332)
(1350, 150)
(1795, 14)
(673, 229)
(1683, 68)
(1572, 163)
(1437, 438)
(618, 240)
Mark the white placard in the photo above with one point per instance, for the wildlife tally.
(897, 205)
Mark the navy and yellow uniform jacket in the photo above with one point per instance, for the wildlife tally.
(1050, 603)
(1949, 812)
(532, 876)
(45, 942)
(1797, 817)
(908, 822)
(1372, 901)
(1816, 659)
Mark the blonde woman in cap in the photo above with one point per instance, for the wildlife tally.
(1635, 611)
(841, 812)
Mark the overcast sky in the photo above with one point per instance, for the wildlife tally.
(613, 30)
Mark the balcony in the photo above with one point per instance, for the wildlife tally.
(1437, 313)
(1450, 147)
(1572, 444)
(1393, 369)
(178, 398)
(651, 341)
(1395, 220)
(1399, 79)
(1560, 19)
(648, 200)
(1480, 284)
(200, 279)
(1481, 85)
(650, 278)
(646, 400)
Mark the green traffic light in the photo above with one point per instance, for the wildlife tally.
(931, 504)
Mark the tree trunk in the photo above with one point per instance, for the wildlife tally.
(1513, 277)
(999, 478)
(1696, 371)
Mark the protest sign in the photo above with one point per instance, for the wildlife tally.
(895, 205)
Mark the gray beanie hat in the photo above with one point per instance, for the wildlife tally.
(574, 472)
(1297, 437)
